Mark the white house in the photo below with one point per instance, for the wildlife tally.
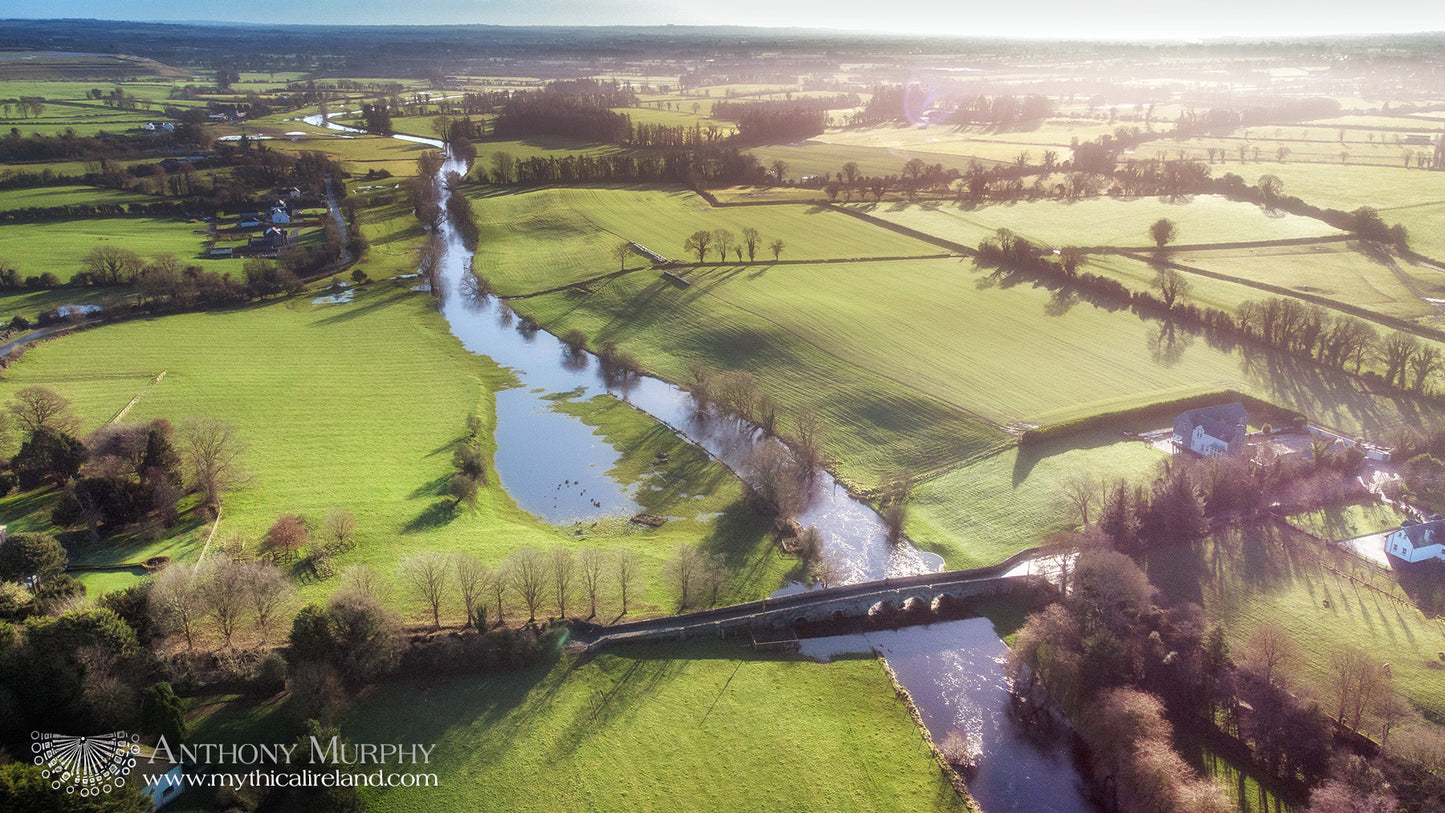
(1417, 541)
(279, 217)
(165, 777)
(1212, 430)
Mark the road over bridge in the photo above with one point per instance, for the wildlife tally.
(826, 604)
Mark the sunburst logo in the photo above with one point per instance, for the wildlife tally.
(87, 765)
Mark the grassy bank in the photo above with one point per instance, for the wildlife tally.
(687, 726)
(988, 510)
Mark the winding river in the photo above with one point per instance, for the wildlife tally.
(556, 468)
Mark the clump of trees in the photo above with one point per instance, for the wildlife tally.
(470, 466)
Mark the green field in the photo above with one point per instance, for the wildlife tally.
(550, 237)
(1101, 221)
(985, 143)
(1243, 579)
(57, 246)
(358, 154)
(320, 394)
(1348, 521)
(1342, 272)
(983, 512)
(705, 727)
(65, 196)
(938, 335)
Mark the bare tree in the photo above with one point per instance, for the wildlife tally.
(1425, 363)
(267, 592)
(563, 568)
(808, 441)
(1172, 286)
(176, 601)
(338, 532)
(224, 594)
(722, 240)
(823, 572)
(362, 580)
(36, 408)
(500, 582)
(473, 577)
(112, 265)
(211, 454)
(684, 574)
(777, 247)
(751, 240)
(1355, 680)
(593, 565)
(528, 568)
(698, 242)
(1270, 650)
(1082, 492)
(622, 251)
(628, 574)
(428, 575)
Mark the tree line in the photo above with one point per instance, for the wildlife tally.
(1305, 330)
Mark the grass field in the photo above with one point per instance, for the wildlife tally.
(65, 196)
(321, 394)
(940, 335)
(1242, 579)
(1348, 521)
(549, 237)
(1101, 221)
(706, 727)
(1342, 272)
(985, 143)
(58, 246)
(988, 510)
(1139, 275)
(358, 154)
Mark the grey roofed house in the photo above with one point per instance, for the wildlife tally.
(1212, 430)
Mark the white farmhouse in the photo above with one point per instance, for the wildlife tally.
(1417, 541)
(1212, 430)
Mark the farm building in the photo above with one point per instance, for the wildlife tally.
(1212, 430)
(1417, 541)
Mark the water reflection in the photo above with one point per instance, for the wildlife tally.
(954, 671)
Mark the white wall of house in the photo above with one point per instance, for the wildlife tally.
(1399, 545)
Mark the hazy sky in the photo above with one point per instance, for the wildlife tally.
(1125, 19)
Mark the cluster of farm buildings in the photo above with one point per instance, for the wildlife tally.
(1224, 430)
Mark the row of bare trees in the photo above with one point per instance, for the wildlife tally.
(220, 595)
(441, 582)
(725, 242)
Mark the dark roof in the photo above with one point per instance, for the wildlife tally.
(1424, 534)
(1228, 422)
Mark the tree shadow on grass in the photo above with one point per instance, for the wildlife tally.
(436, 515)
(375, 301)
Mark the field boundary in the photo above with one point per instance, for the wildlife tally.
(1283, 242)
(958, 248)
(1354, 310)
(1113, 419)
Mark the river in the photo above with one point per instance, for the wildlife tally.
(555, 467)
